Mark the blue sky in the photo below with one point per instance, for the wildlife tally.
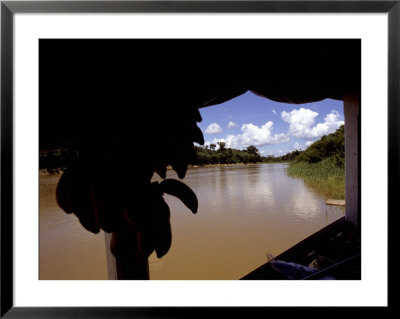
(274, 128)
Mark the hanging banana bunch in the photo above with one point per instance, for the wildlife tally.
(132, 208)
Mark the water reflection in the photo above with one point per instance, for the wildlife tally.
(66, 249)
(244, 212)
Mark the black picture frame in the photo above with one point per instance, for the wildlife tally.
(9, 8)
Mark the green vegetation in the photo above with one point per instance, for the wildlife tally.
(288, 157)
(208, 155)
(55, 161)
(321, 165)
(329, 146)
(324, 176)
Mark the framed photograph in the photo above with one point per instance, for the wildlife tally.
(55, 56)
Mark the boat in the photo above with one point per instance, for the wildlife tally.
(333, 252)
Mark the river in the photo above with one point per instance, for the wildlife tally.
(245, 212)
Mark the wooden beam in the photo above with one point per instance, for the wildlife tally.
(352, 157)
(335, 202)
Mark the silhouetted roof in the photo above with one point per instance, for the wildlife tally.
(86, 85)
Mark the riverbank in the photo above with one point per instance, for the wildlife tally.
(217, 165)
(324, 176)
(44, 171)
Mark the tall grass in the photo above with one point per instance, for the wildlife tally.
(325, 177)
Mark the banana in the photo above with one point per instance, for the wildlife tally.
(198, 135)
(63, 192)
(138, 212)
(197, 115)
(108, 210)
(162, 228)
(180, 155)
(128, 242)
(73, 196)
(136, 203)
(106, 195)
(146, 243)
(161, 170)
(84, 211)
(149, 216)
(179, 166)
(182, 191)
(88, 222)
(139, 223)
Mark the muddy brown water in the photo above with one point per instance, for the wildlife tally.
(245, 212)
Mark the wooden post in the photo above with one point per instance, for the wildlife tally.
(127, 266)
(352, 157)
(111, 261)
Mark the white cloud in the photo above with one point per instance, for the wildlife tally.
(213, 128)
(252, 135)
(308, 143)
(231, 124)
(258, 136)
(230, 141)
(273, 111)
(302, 123)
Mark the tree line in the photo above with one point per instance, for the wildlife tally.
(57, 160)
(329, 146)
(223, 155)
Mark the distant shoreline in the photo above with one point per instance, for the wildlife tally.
(45, 172)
